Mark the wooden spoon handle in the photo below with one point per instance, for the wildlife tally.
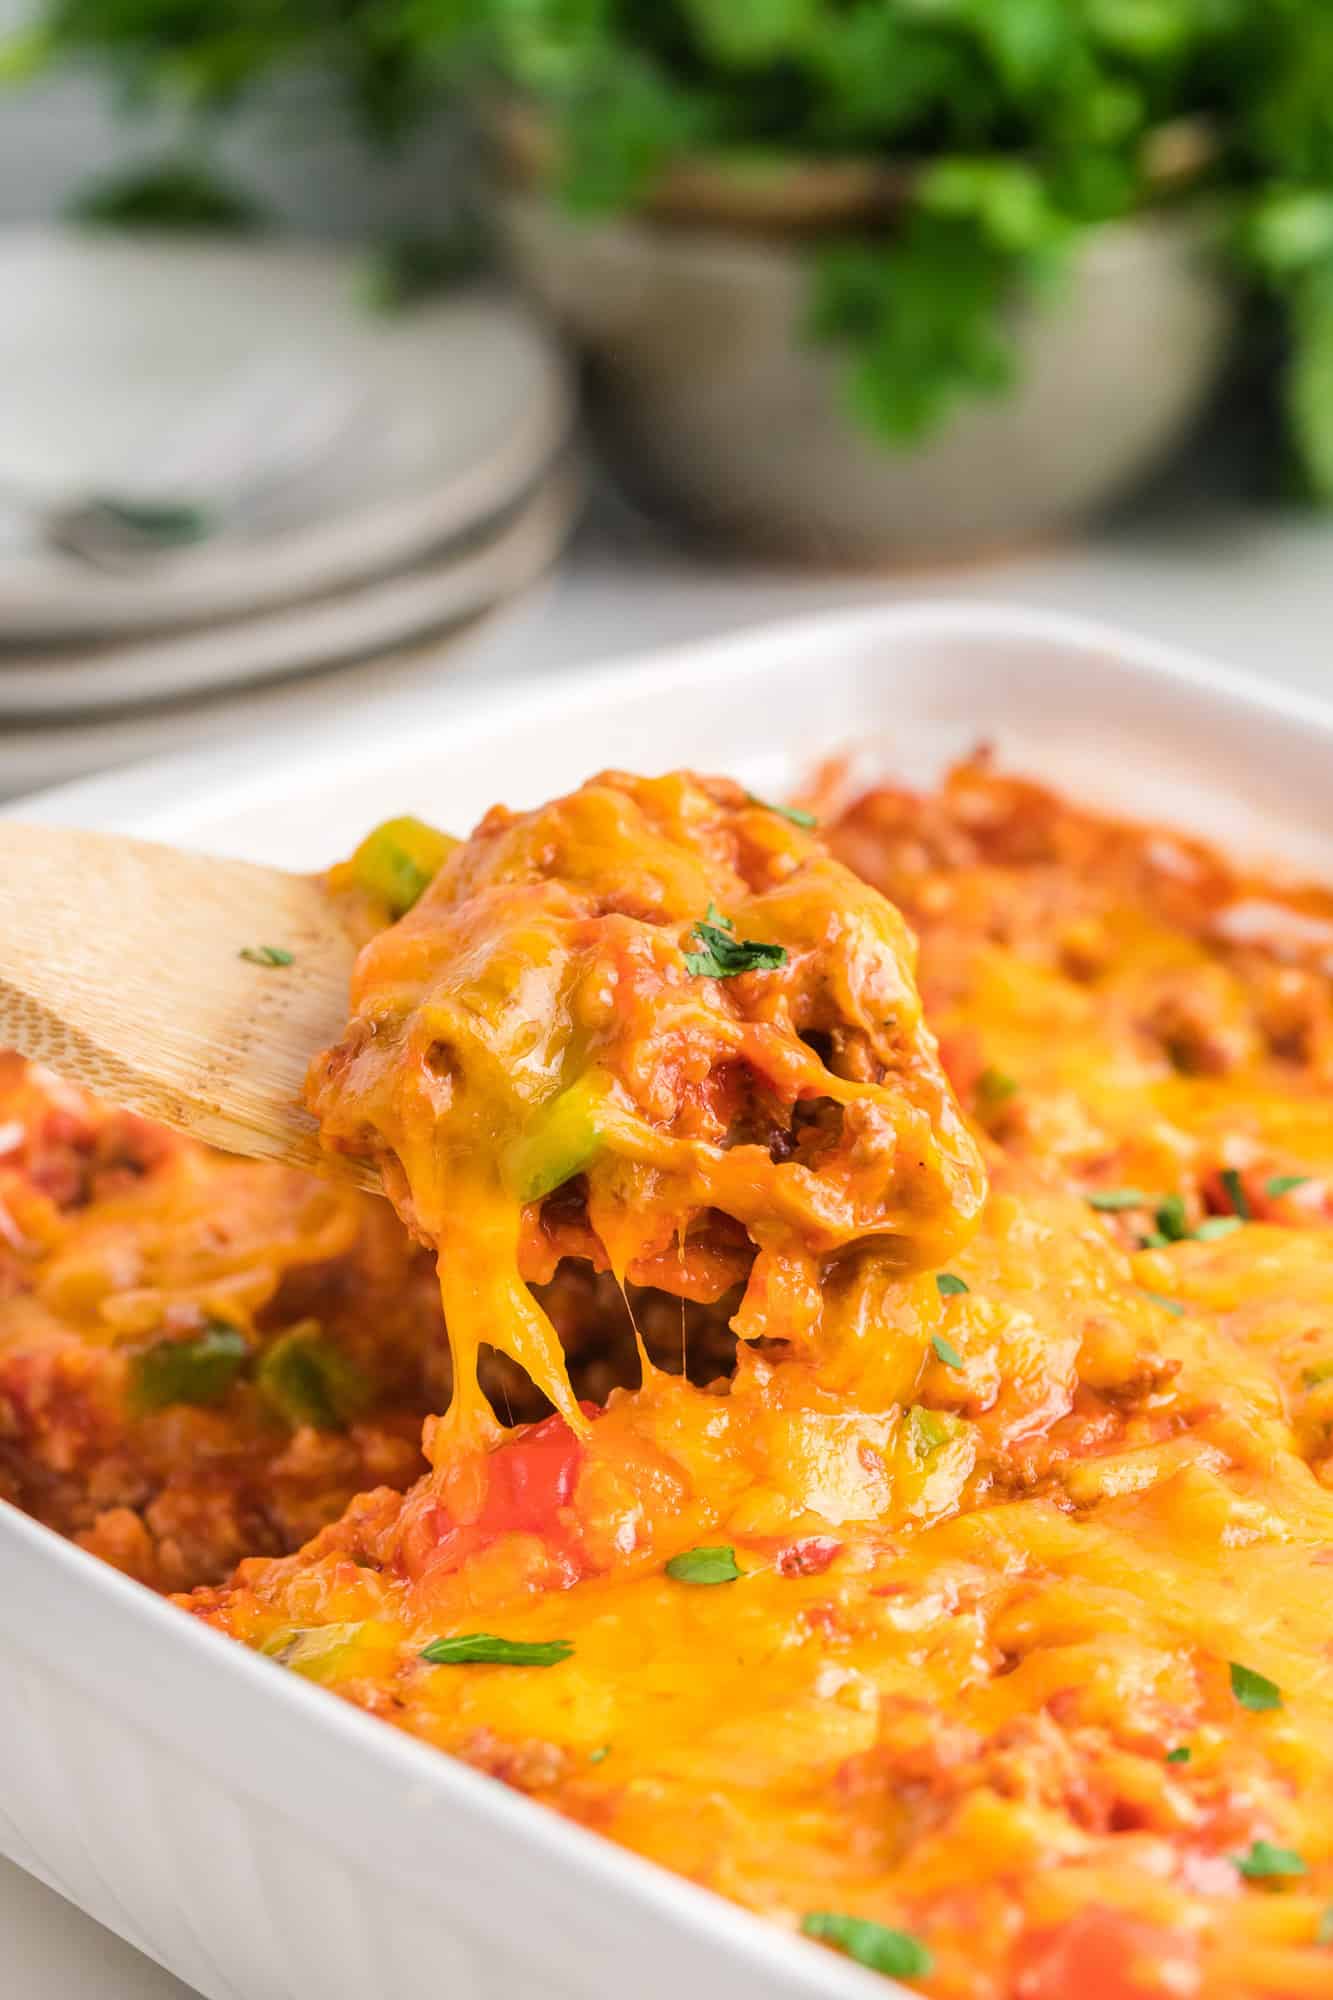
(121, 966)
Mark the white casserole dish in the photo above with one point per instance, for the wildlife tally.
(259, 1837)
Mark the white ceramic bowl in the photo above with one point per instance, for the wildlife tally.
(715, 408)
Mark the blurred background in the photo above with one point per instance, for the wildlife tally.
(357, 349)
(354, 353)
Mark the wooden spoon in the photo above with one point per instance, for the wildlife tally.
(148, 975)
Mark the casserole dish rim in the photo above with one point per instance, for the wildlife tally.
(150, 1666)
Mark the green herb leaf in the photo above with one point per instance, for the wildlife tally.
(1167, 1305)
(633, 118)
(598, 1755)
(1324, 1934)
(946, 1351)
(1180, 1755)
(949, 1285)
(1172, 1220)
(795, 814)
(199, 1370)
(1236, 1195)
(1252, 1690)
(724, 957)
(1280, 1184)
(897, 1954)
(1215, 1226)
(265, 954)
(1265, 1861)
(921, 319)
(994, 1087)
(168, 524)
(705, 1565)
(1112, 1201)
(484, 1649)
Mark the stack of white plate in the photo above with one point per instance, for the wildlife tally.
(220, 465)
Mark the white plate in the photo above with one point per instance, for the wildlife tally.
(311, 637)
(52, 687)
(112, 349)
(258, 1836)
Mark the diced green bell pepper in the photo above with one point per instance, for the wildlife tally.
(927, 1430)
(398, 860)
(200, 1369)
(307, 1380)
(563, 1137)
(314, 1651)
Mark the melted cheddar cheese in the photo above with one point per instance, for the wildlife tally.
(200, 1358)
(547, 1011)
(204, 1358)
(976, 1620)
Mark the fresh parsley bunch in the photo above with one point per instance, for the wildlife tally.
(1024, 125)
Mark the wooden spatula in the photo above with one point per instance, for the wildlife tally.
(192, 990)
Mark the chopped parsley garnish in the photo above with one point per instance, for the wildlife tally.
(948, 1284)
(1171, 1219)
(169, 524)
(484, 1649)
(199, 1370)
(1214, 1226)
(1252, 1690)
(1324, 1935)
(716, 1565)
(796, 814)
(1236, 1195)
(897, 1954)
(265, 954)
(598, 1755)
(1111, 1201)
(1279, 1184)
(946, 1351)
(1265, 1862)
(994, 1087)
(1167, 1305)
(1180, 1755)
(723, 956)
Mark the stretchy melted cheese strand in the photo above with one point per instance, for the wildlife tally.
(1021, 1683)
(653, 1024)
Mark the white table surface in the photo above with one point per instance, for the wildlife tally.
(1254, 589)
